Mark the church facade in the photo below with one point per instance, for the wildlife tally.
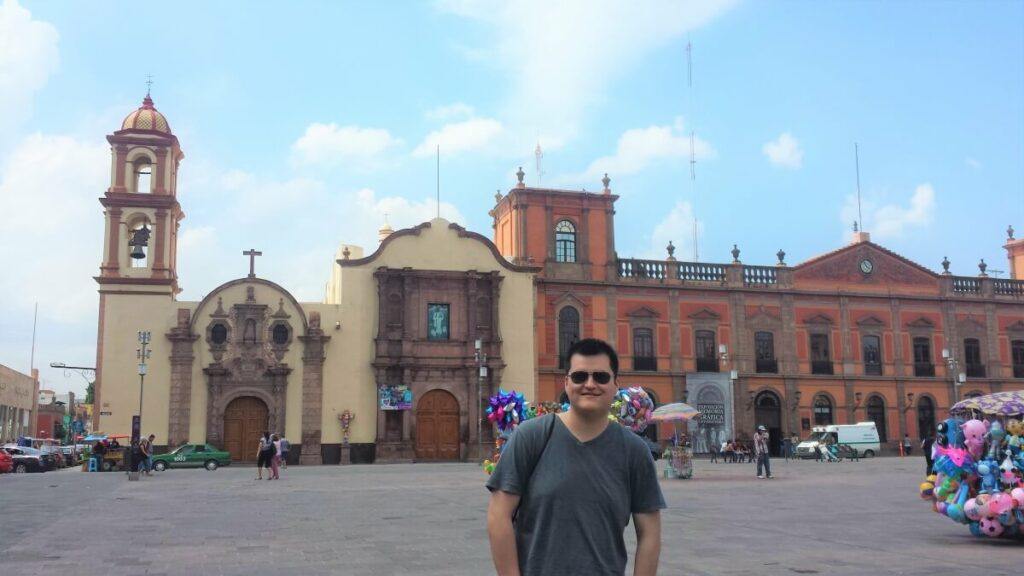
(409, 341)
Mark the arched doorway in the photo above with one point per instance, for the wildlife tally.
(651, 432)
(437, 426)
(245, 420)
(876, 413)
(925, 417)
(768, 413)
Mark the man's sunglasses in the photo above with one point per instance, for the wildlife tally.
(580, 376)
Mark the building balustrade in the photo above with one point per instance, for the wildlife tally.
(759, 275)
(966, 285)
(1005, 287)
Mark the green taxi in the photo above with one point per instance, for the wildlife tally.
(192, 456)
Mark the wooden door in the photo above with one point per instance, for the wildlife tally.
(437, 426)
(245, 420)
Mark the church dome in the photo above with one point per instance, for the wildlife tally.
(147, 117)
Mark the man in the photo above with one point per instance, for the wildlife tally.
(761, 451)
(566, 484)
(285, 446)
(926, 447)
(149, 454)
(907, 445)
(787, 447)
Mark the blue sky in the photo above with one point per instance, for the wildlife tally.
(303, 124)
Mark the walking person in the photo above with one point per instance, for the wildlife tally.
(907, 445)
(926, 448)
(761, 450)
(263, 455)
(285, 447)
(787, 447)
(149, 454)
(275, 459)
(578, 458)
(794, 442)
(714, 453)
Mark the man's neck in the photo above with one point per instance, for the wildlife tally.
(585, 427)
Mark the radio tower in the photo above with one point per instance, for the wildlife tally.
(693, 153)
(538, 154)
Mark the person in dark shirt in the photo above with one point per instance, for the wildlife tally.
(567, 484)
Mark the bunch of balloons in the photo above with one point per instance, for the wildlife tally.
(978, 476)
(632, 408)
(507, 410)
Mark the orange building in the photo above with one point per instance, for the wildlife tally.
(856, 334)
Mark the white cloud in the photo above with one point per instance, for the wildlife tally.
(640, 148)
(475, 134)
(677, 227)
(785, 151)
(456, 111)
(52, 226)
(28, 56)
(560, 57)
(892, 220)
(972, 163)
(257, 198)
(351, 146)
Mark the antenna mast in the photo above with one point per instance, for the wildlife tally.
(856, 159)
(539, 155)
(693, 153)
(438, 169)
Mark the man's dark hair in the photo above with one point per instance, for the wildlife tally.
(594, 347)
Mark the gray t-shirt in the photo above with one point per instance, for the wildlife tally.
(580, 498)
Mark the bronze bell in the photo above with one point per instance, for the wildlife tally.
(138, 253)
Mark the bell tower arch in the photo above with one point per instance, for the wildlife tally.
(141, 210)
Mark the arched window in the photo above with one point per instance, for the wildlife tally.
(280, 334)
(219, 334)
(707, 356)
(565, 241)
(872, 347)
(568, 333)
(972, 358)
(643, 350)
(876, 413)
(143, 175)
(923, 357)
(764, 346)
(138, 244)
(925, 417)
(823, 411)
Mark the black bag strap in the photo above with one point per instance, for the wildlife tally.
(549, 429)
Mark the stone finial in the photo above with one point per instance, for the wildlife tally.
(855, 229)
(520, 175)
(606, 181)
(345, 253)
(982, 266)
(735, 254)
(671, 251)
(314, 320)
(781, 255)
(1009, 232)
(945, 265)
(497, 196)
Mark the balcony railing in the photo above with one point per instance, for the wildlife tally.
(759, 275)
(821, 367)
(652, 269)
(966, 285)
(924, 369)
(872, 369)
(707, 364)
(1018, 370)
(1006, 287)
(645, 364)
(975, 371)
(700, 272)
(767, 366)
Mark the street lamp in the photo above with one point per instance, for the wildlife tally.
(481, 359)
(952, 368)
(142, 353)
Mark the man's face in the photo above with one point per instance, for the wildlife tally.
(590, 396)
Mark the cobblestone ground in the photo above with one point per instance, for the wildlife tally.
(846, 518)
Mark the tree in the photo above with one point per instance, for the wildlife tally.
(89, 392)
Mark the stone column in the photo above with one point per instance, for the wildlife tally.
(314, 343)
(179, 410)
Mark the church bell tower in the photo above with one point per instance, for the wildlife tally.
(141, 207)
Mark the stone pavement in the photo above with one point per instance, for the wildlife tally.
(847, 518)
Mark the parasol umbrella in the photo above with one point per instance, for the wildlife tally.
(998, 404)
(676, 412)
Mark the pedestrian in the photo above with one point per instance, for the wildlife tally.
(275, 458)
(137, 461)
(98, 450)
(787, 446)
(794, 442)
(926, 448)
(263, 455)
(907, 445)
(761, 451)
(142, 464)
(578, 459)
(714, 453)
(285, 447)
(149, 454)
(723, 449)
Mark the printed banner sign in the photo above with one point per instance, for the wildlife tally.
(711, 413)
(397, 397)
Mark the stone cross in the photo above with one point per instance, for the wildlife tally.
(252, 254)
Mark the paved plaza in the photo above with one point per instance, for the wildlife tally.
(845, 518)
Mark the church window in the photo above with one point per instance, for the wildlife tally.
(565, 241)
(438, 323)
(568, 333)
(249, 336)
(219, 334)
(143, 171)
(280, 334)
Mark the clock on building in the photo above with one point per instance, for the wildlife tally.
(866, 266)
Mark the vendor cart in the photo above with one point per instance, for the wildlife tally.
(680, 455)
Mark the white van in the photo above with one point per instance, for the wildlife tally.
(862, 436)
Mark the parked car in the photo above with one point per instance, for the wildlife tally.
(6, 462)
(29, 459)
(71, 455)
(55, 453)
(192, 456)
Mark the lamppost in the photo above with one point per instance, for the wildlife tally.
(81, 371)
(142, 353)
(481, 359)
(952, 368)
